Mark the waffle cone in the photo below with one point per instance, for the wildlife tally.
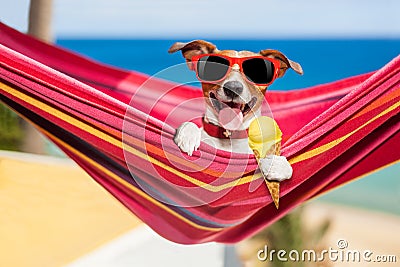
(273, 186)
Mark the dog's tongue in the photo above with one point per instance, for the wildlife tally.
(230, 118)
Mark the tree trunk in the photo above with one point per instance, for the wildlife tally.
(40, 16)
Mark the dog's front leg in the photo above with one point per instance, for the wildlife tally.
(188, 137)
(276, 168)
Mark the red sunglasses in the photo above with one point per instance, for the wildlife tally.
(258, 70)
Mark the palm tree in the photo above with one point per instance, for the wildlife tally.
(40, 16)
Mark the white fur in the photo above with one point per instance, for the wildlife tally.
(235, 75)
(188, 137)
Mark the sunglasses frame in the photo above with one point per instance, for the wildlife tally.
(239, 61)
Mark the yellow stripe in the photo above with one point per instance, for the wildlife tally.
(322, 149)
(116, 142)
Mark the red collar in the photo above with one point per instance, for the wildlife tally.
(221, 133)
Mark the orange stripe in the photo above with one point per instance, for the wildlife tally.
(377, 103)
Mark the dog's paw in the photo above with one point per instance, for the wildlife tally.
(188, 137)
(276, 168)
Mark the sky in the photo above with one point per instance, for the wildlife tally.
(216, 18)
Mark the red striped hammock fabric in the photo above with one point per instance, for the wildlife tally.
(334, 133)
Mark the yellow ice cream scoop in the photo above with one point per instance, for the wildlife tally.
(265, 139)
(264, 133)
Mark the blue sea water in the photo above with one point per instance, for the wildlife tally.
(322, 60)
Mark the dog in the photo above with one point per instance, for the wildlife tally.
(233, 88)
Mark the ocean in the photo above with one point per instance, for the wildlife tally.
(323, 61)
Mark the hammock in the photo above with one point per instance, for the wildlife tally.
(334, 133)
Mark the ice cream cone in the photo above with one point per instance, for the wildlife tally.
(265, 139)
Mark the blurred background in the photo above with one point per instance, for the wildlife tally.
(331, 39)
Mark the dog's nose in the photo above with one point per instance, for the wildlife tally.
(233, 89)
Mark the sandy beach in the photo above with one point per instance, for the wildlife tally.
(52, 214)
(361, 229)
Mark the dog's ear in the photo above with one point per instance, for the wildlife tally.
(284, 61)
(193, 48)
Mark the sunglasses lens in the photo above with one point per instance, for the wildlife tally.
(212, 68)
(259, 70)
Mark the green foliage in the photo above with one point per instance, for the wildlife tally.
(10, 129)
(291, 233)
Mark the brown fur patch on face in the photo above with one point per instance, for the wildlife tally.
(207, 88)
(285, 63)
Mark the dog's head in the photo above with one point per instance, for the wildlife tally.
(234, 90)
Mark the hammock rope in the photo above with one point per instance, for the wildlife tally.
(334, 133)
